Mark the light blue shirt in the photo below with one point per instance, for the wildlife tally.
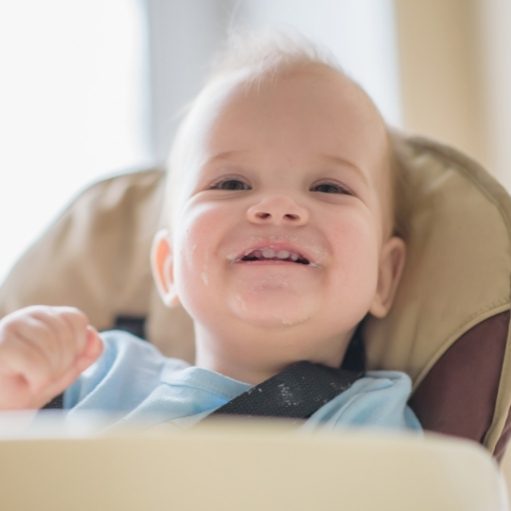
(135, 383)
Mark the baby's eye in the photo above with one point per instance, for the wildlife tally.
(330, 187)
(230, 184)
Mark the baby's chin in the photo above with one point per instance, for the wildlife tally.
(272, 311)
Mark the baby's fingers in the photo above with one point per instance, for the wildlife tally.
(21, 359)
(24, 373)
(91, 352)
(66, 332)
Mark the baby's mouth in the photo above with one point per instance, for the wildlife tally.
(269, 254)
(277, 252)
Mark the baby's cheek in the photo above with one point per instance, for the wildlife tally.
(357, 233)
(203, 219)
(357, 256)
(196, 247)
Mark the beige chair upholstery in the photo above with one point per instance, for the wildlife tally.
(233, 467)
(449, 328)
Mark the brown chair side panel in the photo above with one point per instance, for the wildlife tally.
(458, 395)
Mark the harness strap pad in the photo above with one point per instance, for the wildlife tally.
(296, 392)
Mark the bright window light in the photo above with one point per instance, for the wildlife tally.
(72, 105)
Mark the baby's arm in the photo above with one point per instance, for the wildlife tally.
(42, 351)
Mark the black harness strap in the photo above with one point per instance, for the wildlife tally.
(57, 403)
(296, 392)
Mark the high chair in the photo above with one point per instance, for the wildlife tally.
(448, 328)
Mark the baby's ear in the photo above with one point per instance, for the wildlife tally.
(392, 262)
(162, 268)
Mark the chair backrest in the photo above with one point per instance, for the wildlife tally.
(449, 327)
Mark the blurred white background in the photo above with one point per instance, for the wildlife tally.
(73, 106)
(93, 87)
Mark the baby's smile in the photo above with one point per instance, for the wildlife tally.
(276, 249)
(274, 253)
(269, 254)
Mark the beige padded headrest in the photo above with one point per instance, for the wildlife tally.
(458, 263)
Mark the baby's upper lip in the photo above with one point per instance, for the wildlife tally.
(302, 251)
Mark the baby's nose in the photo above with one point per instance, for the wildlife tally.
(278, 210)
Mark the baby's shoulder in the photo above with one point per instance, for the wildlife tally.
(126, 372)
(386, 382)
(125, 356)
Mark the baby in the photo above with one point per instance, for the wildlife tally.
(281, 239)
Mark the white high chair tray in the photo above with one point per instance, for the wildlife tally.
(244, 466)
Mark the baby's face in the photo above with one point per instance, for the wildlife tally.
(281, 226)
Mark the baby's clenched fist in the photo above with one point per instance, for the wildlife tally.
(42, 351)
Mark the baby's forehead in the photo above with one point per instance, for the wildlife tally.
(234, 100)
(220, 111)
(247, 84)
(308, 82)
(326, 98)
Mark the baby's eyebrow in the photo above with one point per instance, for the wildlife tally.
(343, 162)
(331, 159)
(224, 155)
